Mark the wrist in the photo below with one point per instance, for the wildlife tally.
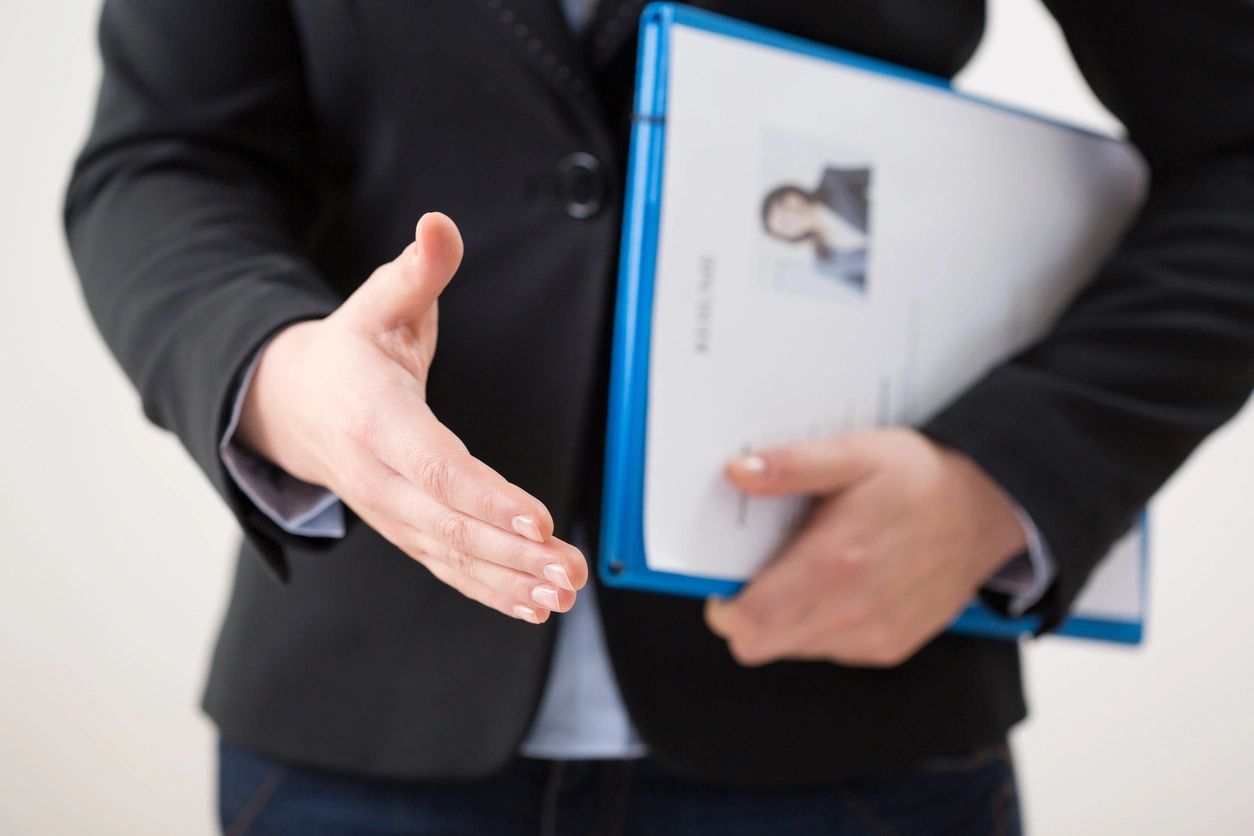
(269, 426)
(998, 529)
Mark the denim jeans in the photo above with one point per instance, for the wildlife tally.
(970, 795)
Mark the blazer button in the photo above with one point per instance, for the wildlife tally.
(580, 184)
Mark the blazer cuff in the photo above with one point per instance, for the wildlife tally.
(294, 505)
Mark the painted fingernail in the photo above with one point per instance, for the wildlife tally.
(753, 464)
(545, 596)
(526, 614)
(525, 524)
(556, 572)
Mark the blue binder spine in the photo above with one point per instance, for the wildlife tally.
(622, 501)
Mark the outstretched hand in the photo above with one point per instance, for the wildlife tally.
(341, 402)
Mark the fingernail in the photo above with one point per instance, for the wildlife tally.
(556, 572)
(525, 524)
(753, 464)
(526, 614)
(545, 596)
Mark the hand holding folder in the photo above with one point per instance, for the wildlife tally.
(943, 233)
(900, 532)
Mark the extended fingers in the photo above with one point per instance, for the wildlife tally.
(511, 589)
(554, 561)
(411, 441)
(533, 574)
(514, 594)
(484, 594)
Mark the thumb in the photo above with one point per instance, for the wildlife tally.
(403, 290)
(820, 467)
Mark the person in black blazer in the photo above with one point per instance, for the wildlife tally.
(252, 162)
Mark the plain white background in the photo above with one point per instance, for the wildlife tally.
(115, 553)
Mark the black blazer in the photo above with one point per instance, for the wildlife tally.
(252, 161)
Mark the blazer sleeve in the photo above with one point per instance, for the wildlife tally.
(1083, 427)
(186, 210)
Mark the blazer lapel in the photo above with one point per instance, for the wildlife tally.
(613, 25)
(538, 31)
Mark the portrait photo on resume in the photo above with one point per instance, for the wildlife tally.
(814, 216)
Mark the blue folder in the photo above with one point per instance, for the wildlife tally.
(623, 561)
